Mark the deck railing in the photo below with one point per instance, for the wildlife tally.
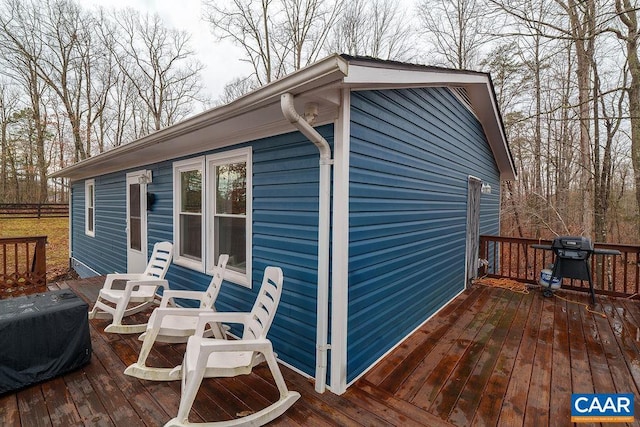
(514, 258)
(23, 266)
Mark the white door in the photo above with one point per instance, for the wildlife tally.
(473, 229)
(136, 222)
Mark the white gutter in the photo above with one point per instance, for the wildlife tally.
(324, 212)
(325, 71)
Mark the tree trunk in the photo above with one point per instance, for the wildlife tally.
(582, 29)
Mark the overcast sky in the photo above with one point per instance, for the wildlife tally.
(221, 59)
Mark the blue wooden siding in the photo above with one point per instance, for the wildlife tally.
(285, 229)
(285, 233)
(411, 154)
(106, 252)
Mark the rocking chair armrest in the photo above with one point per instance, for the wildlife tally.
(210, 345)
(155, 321)
(169, 295)
(219, 317)
(111, 277)
(132, 284)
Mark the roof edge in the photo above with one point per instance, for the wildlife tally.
(332, 68)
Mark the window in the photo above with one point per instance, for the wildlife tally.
(230, 199)
(226, 216)
(89, 207)
(188, 201)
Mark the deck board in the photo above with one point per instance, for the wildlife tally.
(449, 354)
(490, 358)
(517, 391)
(441, 345)
(60, 405)
(9, 411)
(450, 393)
(488, 411)
(399, 365)
(537, 406)
(474, 389)
(560, 365)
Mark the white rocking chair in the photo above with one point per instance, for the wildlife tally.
(140, 289)
(208, 357)
(177, 324)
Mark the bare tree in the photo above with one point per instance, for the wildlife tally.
(277, 36)
(246, 24)
(456, 30)
(236, 88)
(159, 63)
(378, 28)
(63, 29)
(8, 105)
(307, 25)
(579, 23)
(23, 52)
(627, 13)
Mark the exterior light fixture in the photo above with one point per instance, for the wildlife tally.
(146, 178)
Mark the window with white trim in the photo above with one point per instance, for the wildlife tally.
(188, 206)
(229, 191)
(90, 207)
(226, 216)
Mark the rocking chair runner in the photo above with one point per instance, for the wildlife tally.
(207, 357)
(177, 324)
(140, 289)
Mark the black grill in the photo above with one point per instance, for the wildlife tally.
(572, 259)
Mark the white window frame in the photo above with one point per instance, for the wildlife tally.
(90, 203)
(213, 160)
(207, 165)
(178, 168)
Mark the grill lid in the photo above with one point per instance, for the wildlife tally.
(572, 247)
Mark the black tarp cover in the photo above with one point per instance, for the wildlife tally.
(42, 336)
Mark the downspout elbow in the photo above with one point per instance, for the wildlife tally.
(290, 113)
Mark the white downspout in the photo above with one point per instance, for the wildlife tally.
(324, 212)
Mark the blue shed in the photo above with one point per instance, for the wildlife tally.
(368, 182)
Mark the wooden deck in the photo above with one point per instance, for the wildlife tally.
(491, 357)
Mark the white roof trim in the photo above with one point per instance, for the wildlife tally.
(257, 114)
(477, 85)
(328, 71)
(365, 76)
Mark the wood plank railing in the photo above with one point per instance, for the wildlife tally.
(34, 210)
(514, 258)
(23, 265)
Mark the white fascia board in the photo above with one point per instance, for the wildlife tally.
(486, 109)
(368, 77)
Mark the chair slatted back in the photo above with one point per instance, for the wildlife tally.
(264, 309)
(160, 260)
(213, 289)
